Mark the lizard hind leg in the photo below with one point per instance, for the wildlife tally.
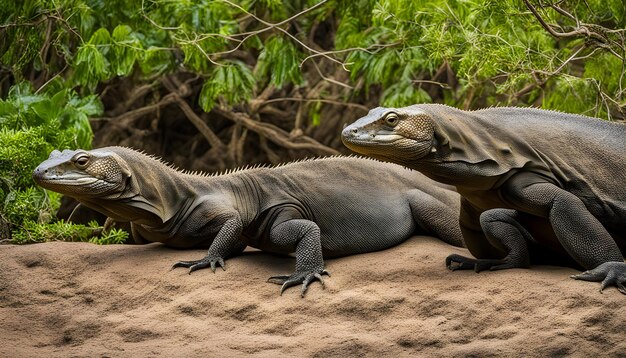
(503, 231)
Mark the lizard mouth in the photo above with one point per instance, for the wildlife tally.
(49, 179)
(46, 175)
(373, 140)
(68, 181)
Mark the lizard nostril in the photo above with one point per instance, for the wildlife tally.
(354, 131)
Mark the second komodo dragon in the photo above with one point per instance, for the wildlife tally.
(535, 184)
(316, 208)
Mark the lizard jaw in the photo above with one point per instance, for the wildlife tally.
(384, 146)
(68, 181)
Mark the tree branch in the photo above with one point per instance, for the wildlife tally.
(202, 127)
(275, 134)
(591, 31)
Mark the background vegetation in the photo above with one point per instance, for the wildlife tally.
(213, 84)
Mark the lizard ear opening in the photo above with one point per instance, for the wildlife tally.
(124, 168)
(440, 139)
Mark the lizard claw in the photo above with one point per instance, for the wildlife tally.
(457, 262)
(610, 273)
(202, 263)
(303, 277)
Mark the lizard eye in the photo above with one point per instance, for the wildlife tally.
(392, 119)
(81, 160)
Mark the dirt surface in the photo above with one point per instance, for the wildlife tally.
(77, 299)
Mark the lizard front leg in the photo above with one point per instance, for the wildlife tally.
(227, 243)
(487, 254)
(305, 236)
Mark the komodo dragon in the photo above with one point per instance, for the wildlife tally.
(533, 183)
(316, 208)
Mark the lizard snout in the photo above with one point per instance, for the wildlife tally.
(350, 132)
(43, 173)
(39, 174)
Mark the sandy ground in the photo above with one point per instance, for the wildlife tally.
(76, 299)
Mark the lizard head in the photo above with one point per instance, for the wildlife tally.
(391, 134)
(83, 174)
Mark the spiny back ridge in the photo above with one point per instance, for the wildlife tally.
(238, 169)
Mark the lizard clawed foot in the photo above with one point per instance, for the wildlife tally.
(610, 273)
(303, 277)
(194, 265)
(457, 262)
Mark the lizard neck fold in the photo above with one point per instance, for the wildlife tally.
(465, 137)
(154, 192)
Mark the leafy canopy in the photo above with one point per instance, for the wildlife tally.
(57, 58)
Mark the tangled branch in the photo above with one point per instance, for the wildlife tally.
(275, 134)
(602, 36)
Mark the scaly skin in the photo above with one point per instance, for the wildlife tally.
(535, 184)
(316, 208)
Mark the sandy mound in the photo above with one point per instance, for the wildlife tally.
(75, 299)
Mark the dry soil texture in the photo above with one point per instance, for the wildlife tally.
(77, 299)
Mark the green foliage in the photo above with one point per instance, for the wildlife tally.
(401, 93)
(106, 55)
(20, 153)
(493, 46)
(315, 113)
(21, 205)
(280, 61)
(32, 124)
(466, 53)
(572, 94)
(113, 236)
(233, 82)
(605, 69)
(33, 232)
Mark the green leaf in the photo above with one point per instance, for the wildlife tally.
(211, 89)
(7, 111)
(100, 37)
(606, 69)
(233, 82)
(570, 94)
(315, 113)
(22, 96)
(50, 109)
(111, 237)
(156, 61)
(126, 50)
(90, 66)
(402, 94)
(89, 105)
(280, 61)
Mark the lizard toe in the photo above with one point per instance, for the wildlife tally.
(457, 262)
(208, 261)
(200, 265)
(186, 264)
(290, 283)
(279, 280)
(299, 277)
(612, 273)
